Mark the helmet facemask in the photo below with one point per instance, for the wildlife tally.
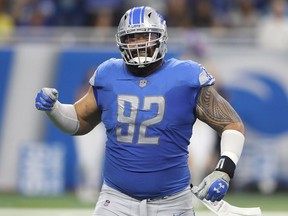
(142, 42)
(140, 48)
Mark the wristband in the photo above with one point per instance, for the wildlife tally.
(232, 142)
(225, 164)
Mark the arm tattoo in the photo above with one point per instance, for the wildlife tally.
(214, 110)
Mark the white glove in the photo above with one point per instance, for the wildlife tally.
(46, 99)
(213, 187)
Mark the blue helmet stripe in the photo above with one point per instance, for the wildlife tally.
(137, 15)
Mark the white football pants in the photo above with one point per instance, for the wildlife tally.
(112, 202)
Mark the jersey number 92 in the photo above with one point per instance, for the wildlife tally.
(127, 113)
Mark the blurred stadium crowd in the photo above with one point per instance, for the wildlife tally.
(262, 17)
(178, 13)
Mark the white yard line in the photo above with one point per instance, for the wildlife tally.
(85, 212)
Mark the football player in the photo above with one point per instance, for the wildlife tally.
(148, 106)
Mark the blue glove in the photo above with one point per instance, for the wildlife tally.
(213, 187)
(46, 99)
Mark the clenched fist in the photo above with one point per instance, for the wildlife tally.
(46, 99)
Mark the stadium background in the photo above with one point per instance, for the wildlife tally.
(37, 160)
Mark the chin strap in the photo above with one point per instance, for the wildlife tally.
(143, 61)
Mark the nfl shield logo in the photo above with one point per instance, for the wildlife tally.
(142, 83)
(107, 202)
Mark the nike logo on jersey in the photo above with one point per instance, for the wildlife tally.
(143, 83)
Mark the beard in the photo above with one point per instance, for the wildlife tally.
(144, 71)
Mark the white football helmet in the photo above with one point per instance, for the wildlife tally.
(147, 24)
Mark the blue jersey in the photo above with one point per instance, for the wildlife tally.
(149, 124)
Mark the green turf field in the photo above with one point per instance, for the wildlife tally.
(275, 202)
(68, 200)
(86, 212)
(69, 205)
